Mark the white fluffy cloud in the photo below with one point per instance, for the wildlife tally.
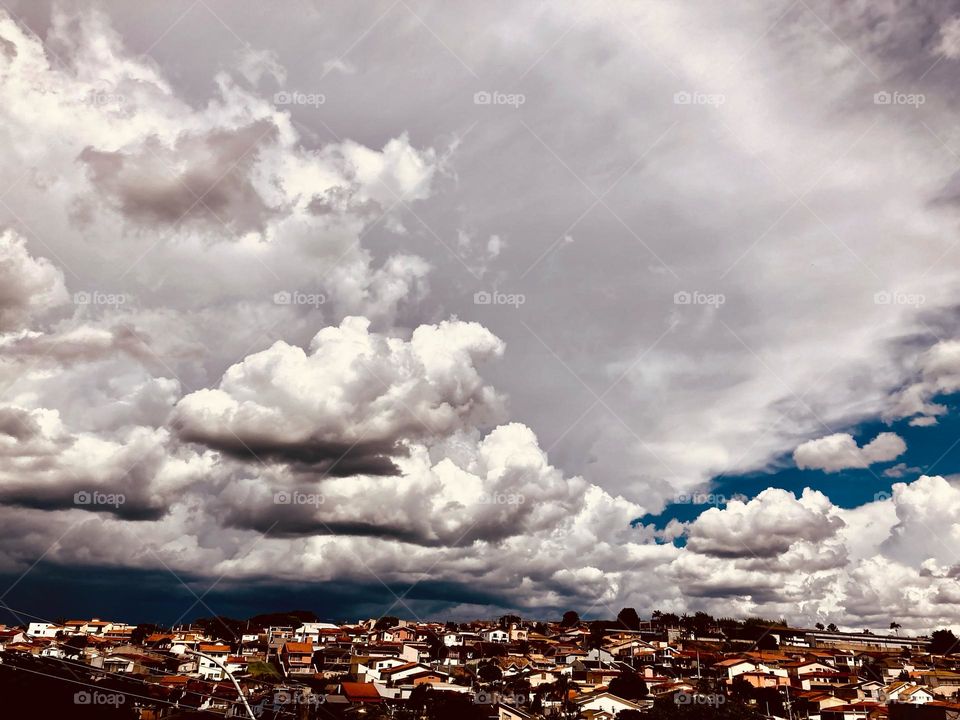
(28, 285)
(768, 525)
(841, 452)
(354, 393)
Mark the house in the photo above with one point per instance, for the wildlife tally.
(43, 630)
(413, 673)
(495, 635)
(733, 667)
(916, 695)
(848, 712)
(11, 637)
(87, 627)
(808, 667)
(309, 632)
(237, 664)
(606, 702)
(207, 668)
(296, 658)
(761, 679)
(360, 693)
(511, 712)
(941, 682)
(518, 633)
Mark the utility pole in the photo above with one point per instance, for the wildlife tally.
(229, 674)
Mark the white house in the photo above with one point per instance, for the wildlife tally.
(209, 670)
(43, 630)
(606, 702)
(495, 635)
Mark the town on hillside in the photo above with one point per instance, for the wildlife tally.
(293, 666)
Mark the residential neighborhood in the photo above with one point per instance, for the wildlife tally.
(292, 665)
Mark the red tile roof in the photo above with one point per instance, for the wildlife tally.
(361, 692)
(297, 647)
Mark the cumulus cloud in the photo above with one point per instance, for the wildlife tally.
(937, 373)
(455, 493)
(354, 394)
(768, 525)
(46, 466)
(28, 285)
(841, 452)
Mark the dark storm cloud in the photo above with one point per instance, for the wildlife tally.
(52, 591)
(292, 521)
(73, 497)
(322, 457)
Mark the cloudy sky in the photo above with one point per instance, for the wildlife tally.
(441, 311)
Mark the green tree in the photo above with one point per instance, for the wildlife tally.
(570, 619)
(628, 619)
(629, 686)
(387, 621)
(489, 673)
(942, 642)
